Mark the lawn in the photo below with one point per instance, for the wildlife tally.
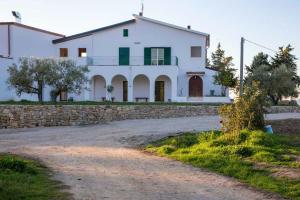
(264, 161)
(22, 178)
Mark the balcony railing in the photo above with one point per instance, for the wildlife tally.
(133, 61)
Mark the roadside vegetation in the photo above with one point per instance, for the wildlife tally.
(242, 149)
(26, 179)
(269, 162)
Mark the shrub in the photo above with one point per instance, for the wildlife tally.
(260, 138)
(264, 156)
(166, 149)
(247, 112)
(184, 141)
(12, 164)
(243, 151)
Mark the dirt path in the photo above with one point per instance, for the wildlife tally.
(97, 162)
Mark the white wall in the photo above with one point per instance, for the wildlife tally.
(106, 43)
(3, 40)
(24, 43)
(147, 34)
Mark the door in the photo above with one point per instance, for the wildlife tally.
(195, 87)
(124, 54)
(125, 91)
(159, 91)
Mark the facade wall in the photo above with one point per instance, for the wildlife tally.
(3, 40)
(24, 43)
(104, 46)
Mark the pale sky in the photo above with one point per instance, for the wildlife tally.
(272, 23)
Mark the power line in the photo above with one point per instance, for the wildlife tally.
(260, 45)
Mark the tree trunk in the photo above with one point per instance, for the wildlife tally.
(40, 92)
(274, 99)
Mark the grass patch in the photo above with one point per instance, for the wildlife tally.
(238, 156)
(25, 102)
(24, 179)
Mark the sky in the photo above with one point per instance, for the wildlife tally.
(272, 23)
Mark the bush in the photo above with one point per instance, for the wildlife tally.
(11, 163)
(166, 149)
(243, 151)
(184, 141)
(260, 138)
(247, 112)
(264, 156)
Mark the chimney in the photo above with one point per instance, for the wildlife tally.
(189, 27)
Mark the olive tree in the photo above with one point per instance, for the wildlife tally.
(29, 76)
(66, 76)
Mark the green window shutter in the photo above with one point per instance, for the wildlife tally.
(147, 56)
(167, 55)
(124, 54)
(125, 32)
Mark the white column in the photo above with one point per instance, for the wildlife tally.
(88, 92)
(174, 86)
(130, 90)
(152, 90)
(108, 81)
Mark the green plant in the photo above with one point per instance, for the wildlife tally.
(247, 112)
(12, 163)
(22, 178)
(250, 157)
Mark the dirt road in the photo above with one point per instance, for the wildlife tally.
(98, 162)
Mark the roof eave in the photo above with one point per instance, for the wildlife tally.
(88, 33)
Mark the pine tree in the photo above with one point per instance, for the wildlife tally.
(284, 57)
(258, 60)
(217, 58)
(226, 73)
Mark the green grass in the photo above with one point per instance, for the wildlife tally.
(238, 156)
(25, 102)
(24, 179)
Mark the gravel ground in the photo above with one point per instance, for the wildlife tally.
(99, 162)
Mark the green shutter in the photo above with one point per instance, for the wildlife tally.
(124, 56)
(125, 32)
(167, 55)
(147, 56)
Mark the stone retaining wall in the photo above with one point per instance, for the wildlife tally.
(20, 116)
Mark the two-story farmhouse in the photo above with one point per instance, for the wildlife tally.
(143, 59)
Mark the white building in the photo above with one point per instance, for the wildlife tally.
(143, 59)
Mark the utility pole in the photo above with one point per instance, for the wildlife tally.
(242, 66)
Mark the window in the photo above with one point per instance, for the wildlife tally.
(125, 32)
(63, 52)
(157, 56)
(195, 51)
(82, 52)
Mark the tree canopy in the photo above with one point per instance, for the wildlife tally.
(226, 73)
(32, 74)
(66, 76)
(277, 75)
